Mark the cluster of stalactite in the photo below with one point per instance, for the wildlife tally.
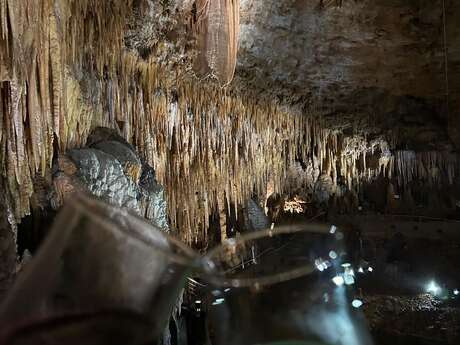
(64, 71)
(40, 104)
(433, 167)
(351, 161)
(208, 148)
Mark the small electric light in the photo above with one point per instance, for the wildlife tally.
(360, 270)
(433, 288)
(319, 265)
(333, 255)
(218, 301)
(338, 280)
(456, 292)
(370, 269)
(356, 303)
(333, 229)
(349, 276)
(227, 290)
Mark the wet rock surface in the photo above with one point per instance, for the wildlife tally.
(102, 175)
(111, 170)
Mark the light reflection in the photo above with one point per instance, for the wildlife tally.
(218, 301)
(349, 276)
(356, 303)
(333, 255)
(338, 280)
(334, 325)
(333, 229)
(433, 288)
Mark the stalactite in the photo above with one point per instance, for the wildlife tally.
(222, 216)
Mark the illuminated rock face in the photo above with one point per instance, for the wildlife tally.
(111, 170)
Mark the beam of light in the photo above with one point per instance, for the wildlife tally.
(433, 288)
(335, 324)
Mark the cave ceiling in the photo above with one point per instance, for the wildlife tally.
(380, 59)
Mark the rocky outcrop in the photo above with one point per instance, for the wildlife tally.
(111, 170)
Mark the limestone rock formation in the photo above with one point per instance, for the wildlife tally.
(112, 171)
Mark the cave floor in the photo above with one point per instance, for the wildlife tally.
(406, 257)
(409, 255)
